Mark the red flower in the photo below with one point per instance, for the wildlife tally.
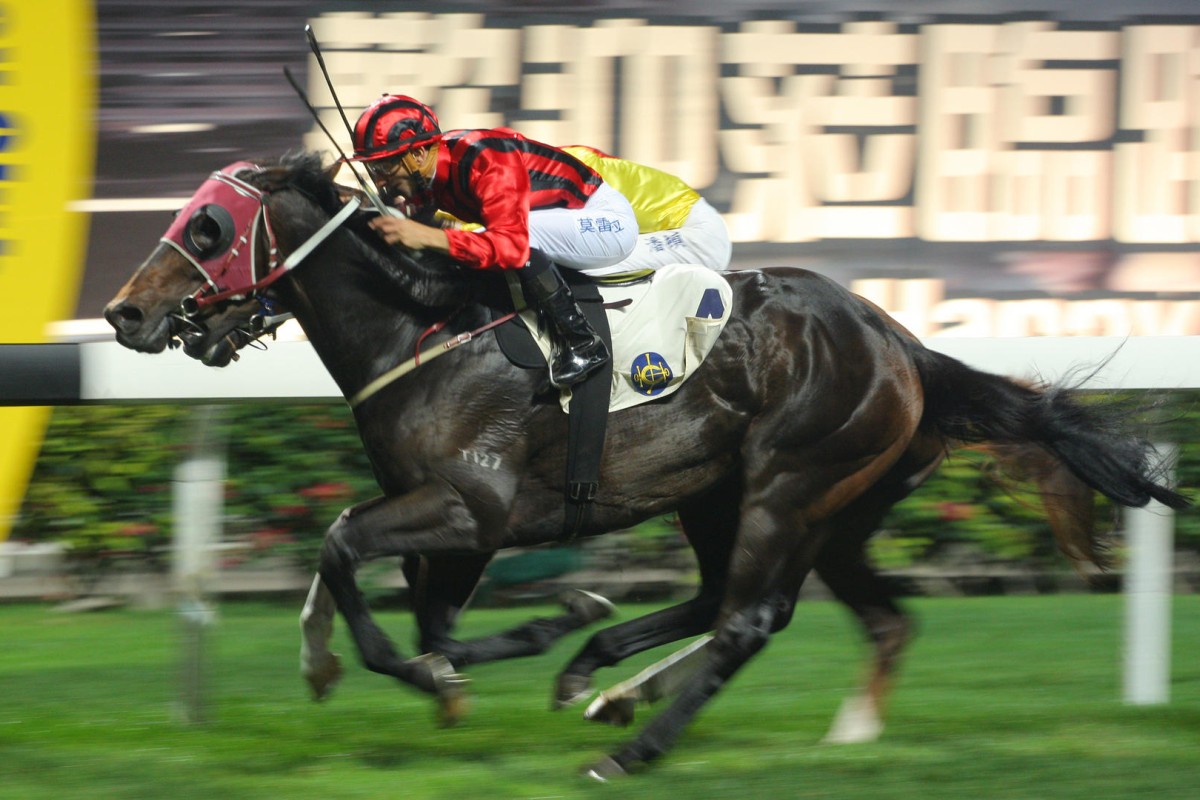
(291, 511)
(950, 511)
(266, 538)
(327, 491)
(139, 529)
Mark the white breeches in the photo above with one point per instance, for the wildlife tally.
(601, 234)
(703, 240)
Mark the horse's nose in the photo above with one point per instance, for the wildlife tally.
(124, 316)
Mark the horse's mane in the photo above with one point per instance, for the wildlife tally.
(430, 279)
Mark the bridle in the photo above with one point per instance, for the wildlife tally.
(218, 231)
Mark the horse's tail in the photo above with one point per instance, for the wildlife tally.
(1086, 442)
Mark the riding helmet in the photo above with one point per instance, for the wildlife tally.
(393, 125)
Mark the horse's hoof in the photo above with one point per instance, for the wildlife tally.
(605, 770)
(588, 606)
(453, 705)
(433, 673)
(324, 676)
(856, 722)
(617, 711)
(571, 689)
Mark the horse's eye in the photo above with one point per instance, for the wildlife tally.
(209, 232)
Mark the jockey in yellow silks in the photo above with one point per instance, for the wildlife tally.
(675, 224)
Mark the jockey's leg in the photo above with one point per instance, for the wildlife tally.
(577, 350)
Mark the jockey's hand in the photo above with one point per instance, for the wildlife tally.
(411, 234)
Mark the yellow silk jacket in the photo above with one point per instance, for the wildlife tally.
(659, 199)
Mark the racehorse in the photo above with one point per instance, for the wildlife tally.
(813, 414)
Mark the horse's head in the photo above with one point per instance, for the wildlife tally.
(199, 287)
(209, 285)
(148, 315)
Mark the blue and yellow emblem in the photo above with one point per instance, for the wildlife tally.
(650, 374)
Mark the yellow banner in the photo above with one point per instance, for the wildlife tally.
(47, 147)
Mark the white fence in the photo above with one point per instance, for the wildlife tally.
(111, 373)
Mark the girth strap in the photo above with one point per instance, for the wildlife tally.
(587, 424)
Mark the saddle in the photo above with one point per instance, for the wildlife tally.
(658, 327)
(520, 344)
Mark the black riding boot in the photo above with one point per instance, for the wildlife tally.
(576, 349)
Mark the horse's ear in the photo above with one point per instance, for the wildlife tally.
(347, 193)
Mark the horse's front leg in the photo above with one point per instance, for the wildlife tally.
(319, 666)
(431, 519)
(441, 588)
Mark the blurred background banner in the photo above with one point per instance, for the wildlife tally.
(978, 169)
(47, 117)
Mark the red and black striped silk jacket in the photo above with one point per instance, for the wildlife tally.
(494, 178)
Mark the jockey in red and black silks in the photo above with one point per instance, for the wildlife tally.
(539, 208)
(479, 175)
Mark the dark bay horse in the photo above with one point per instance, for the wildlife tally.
(813, 415)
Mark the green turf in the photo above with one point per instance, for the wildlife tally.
(1000, 698)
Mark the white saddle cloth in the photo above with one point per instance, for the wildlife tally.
(662, 335)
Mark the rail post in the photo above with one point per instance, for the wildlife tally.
(198, 501)
(1149, 581)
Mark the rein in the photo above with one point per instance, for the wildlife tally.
(400, 370)
(419, 358)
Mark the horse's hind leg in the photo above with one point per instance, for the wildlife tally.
(613, 644)
(842, 565)
(769, 557)
(743, 633)
(669, 675)
(790, 492)
(845, 571)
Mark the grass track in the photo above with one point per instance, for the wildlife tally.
(1000, 698)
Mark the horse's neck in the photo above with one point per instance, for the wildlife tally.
(364, 311)
(358, 334)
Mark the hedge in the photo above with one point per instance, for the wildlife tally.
(102, 486)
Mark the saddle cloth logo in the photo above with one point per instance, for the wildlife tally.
(662, 335)
(650, 374)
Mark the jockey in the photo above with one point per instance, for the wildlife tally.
(676, 225)
(539, 207)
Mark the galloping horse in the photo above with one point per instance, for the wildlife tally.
(813, 414)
